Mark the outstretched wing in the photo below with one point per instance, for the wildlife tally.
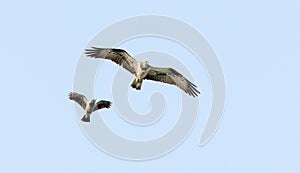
(119, 56)
(102, 104)
(80, 99)
(171, 76)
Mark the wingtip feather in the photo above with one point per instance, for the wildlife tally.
(70, 95)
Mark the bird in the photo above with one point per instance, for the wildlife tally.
(142, 70)
(88, 106)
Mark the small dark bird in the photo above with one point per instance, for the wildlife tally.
(142, 70)
(88, 107)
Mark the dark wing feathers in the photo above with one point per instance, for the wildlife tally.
(80, 99)
(166, 75)
(102, 104)
(171, 76)
(119, 56)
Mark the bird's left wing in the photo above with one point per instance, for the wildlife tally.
(80, 99)
(102, 104)
(171, 76)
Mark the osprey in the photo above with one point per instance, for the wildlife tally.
(88, 107)
(142, 70)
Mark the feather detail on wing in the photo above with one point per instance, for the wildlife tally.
(119, 56)
(80, 99)
(171, 76)
(102, 104)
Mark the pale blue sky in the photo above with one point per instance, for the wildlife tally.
(257, 43)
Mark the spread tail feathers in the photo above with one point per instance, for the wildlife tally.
(85, 118)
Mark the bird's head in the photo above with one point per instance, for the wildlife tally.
(144, 64)
(92, 102)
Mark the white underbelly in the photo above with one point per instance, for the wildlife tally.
(89, 109)
(141, 74)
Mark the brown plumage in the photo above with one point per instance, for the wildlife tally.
(142, 70)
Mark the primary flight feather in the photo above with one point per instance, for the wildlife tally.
(142, 70)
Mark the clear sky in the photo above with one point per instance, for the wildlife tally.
(257, 43)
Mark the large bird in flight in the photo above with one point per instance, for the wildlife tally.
(88, 107)
(142, 70)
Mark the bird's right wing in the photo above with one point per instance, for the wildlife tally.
(119, 56)
(102, 104)
(80, 99)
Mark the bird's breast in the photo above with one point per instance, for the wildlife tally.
(141, 73)
(89, 108)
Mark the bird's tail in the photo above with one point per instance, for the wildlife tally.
(86, 118)
(137, 84)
